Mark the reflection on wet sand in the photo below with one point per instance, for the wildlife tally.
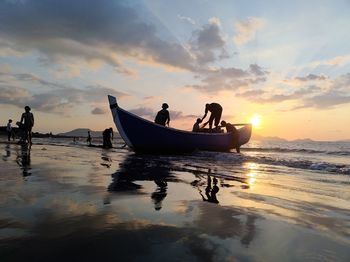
(23, 160)
(210, 191)
(7, 153)
(143, 168)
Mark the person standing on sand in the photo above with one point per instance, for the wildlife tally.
(28, 122)
(107, 136)
(88, 140)
(215, 114)
(9, 130)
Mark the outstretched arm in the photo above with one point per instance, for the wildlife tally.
(206, 112)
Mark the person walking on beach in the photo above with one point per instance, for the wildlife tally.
(9, 130)
(163, 117)
(215, 114)
(88, 140)
(107, 137)
(28, 122)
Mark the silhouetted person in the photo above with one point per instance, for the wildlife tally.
(231, 129)
(88, 140)
(215, 114)
(107, 138)
(196, 127)
(9, 130)
(28, 122)
(163, 117)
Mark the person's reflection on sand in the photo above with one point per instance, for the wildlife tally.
(211, 191)
(137, 168)
(159, 194)
(23, 160)
(7, 153)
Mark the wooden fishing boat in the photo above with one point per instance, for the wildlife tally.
(142, 135)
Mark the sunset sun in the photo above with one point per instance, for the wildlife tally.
(255, 120)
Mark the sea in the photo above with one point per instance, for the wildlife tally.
(275, 201)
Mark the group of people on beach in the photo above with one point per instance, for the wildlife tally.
(25, 126)
(215, 109)
(162, 118)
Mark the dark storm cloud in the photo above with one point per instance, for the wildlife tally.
(89, 29)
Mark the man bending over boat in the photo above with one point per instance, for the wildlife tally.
(231, 128)
(163, 116)
(215, 115)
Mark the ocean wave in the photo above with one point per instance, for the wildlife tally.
(297, 150)
(321, 166)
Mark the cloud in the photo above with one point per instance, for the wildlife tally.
(326, 100)
(216, 80)
(104, 31)
(311, 77)
(335, 61)
(52, 97)
(98, 111)
(246, 30)
(187, 19)
(336, 94)
(207, 44)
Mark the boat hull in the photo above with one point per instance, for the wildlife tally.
(145, 136)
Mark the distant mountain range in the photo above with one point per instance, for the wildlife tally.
(81, 132)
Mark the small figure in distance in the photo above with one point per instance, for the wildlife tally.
(215, 115)
(231, 128)
(88, 140)
(9, 130)
(107, 137)
(28, 122)
(196, 127)
(163, 117)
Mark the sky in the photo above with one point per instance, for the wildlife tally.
(286, 62)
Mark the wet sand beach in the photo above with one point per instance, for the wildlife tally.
(65, 202)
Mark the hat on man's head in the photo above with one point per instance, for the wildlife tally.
(27, 108)
(165, 106)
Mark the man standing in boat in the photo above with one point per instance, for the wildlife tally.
(215, 115)
(163, 117)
